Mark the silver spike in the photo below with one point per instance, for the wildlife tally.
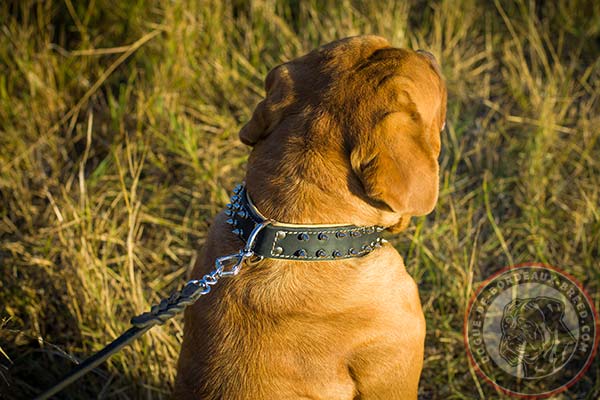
(301, 253)
(238, 232)
(303, 236)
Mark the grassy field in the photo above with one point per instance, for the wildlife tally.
(118, 143)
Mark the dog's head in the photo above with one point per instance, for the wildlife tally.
(375, 109)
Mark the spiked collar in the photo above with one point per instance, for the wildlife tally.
(299, 242)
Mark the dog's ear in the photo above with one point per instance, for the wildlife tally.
(268, 113)
(397, 164)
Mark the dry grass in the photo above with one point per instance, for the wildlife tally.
(118, 130)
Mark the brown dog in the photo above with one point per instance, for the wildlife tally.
(347, 134)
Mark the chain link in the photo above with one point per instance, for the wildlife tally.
(225, 266)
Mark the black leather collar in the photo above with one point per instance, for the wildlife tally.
(299, 242)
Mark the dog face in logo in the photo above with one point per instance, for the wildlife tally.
(535, 336)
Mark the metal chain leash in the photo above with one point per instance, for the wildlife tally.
(166, 309)
(194, 289)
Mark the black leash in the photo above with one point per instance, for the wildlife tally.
(224, 266)
(92, 362)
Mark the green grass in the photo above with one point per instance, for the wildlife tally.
(118, 138)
